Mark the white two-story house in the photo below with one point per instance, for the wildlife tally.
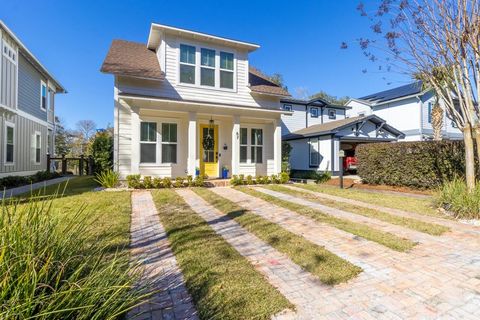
(27, 108)
(318, 130)
(408, 108)
(187, 102)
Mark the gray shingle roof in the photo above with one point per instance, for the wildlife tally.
(395, 93)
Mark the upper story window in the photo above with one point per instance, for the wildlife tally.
(226, 70)
(9, 53)
(43, 96)
(314, 112)
(216, 68)
(187, 64)
(287, 107)
(332, 114)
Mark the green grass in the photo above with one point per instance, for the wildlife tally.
(384, 238)
(65, 257)
(414, 224)
(328, 267)
(223, 284)
(411, 204)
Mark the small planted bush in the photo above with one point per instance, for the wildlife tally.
(249, 180)
(323, 177)
(284, 177)
(167, 182)
(107, 179)
(454, 197)
(157, 183)
(147, 182)
(133, 181)
(179, 182)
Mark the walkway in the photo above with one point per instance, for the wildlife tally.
(151, 248)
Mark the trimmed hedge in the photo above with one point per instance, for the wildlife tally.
(18, 181)
(425, 165)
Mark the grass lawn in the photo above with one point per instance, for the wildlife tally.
(223, 284)
(430, 228)
(411, 204)
(384, 238)
(328, 267)
(67, 256)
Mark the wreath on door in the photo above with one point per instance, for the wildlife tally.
(208, 142)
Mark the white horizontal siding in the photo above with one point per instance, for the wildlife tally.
(294, 122)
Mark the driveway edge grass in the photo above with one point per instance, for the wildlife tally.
(411, 223)
(384, 238)
(223, 283)
(328, 267)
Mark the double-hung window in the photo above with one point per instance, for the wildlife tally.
(148, 142)
(9, 143)
(257, 145)
(37, 147)
(243, 145)
(226, 70)
(187, 64)
(169, 143)
(43, 96)
(314, 112)
(314, 152)
(207, 68)
(332, 114)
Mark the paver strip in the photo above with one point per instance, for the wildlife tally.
(434, 280)
(456, 227)
(150, 247)
(296, 284)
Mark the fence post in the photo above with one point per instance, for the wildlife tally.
(64, 165)
(48, 162)
(90, 165)
(80, 165)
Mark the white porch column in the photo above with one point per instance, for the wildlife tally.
(192, 143)
(277, 146)
(135, 127)
(236, 145)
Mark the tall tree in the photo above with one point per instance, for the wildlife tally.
(62, 138)
(329, 98)
(85, 131)
(440, 41)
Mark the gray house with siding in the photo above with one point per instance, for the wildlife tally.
(27, 108)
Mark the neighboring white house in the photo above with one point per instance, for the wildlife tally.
(188, 100)
(27, 108)
(408, 108)
(317, 131)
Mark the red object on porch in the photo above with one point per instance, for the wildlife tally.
(349, 163)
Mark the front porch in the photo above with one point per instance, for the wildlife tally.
(173, 139)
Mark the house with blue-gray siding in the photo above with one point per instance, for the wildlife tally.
(27, 108)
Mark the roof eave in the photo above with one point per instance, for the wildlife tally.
(269, 94)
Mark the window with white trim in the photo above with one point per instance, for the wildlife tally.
(37, 147)
(9, 143)
(187, 64)
(314, 112)
(257, 145)
(314, 152)
(243, 145)
(207, 68)
(287, 107)
(169, 143)
(43, 96)
(332, 114)
(9, 52)
(148, 142)
(226, 70)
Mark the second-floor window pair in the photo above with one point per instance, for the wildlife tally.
(213, 73)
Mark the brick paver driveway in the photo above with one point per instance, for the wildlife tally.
(439, 278)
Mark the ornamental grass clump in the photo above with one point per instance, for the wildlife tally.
(454, 197)
(108, 179)
(57, 268)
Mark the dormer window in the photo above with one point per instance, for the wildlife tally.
(207, 70)
(187, 64)
(332, 114)
(314, 112)
(226, 70)
(287, 107)
(43, 96)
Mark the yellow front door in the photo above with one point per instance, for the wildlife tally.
(209, 150)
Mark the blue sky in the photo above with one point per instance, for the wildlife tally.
(299, 39)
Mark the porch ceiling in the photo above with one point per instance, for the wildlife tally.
(154, 103)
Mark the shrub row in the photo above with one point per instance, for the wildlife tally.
(18, 181)
(426, 164)
(238, 180)
(134, 181)
(319, 177)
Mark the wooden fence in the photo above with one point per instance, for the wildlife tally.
(85, 164)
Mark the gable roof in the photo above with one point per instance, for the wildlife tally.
(316, 102)
(134, 59)
(32, 59)
(127, 58)
(395, 93)
(333, 127)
